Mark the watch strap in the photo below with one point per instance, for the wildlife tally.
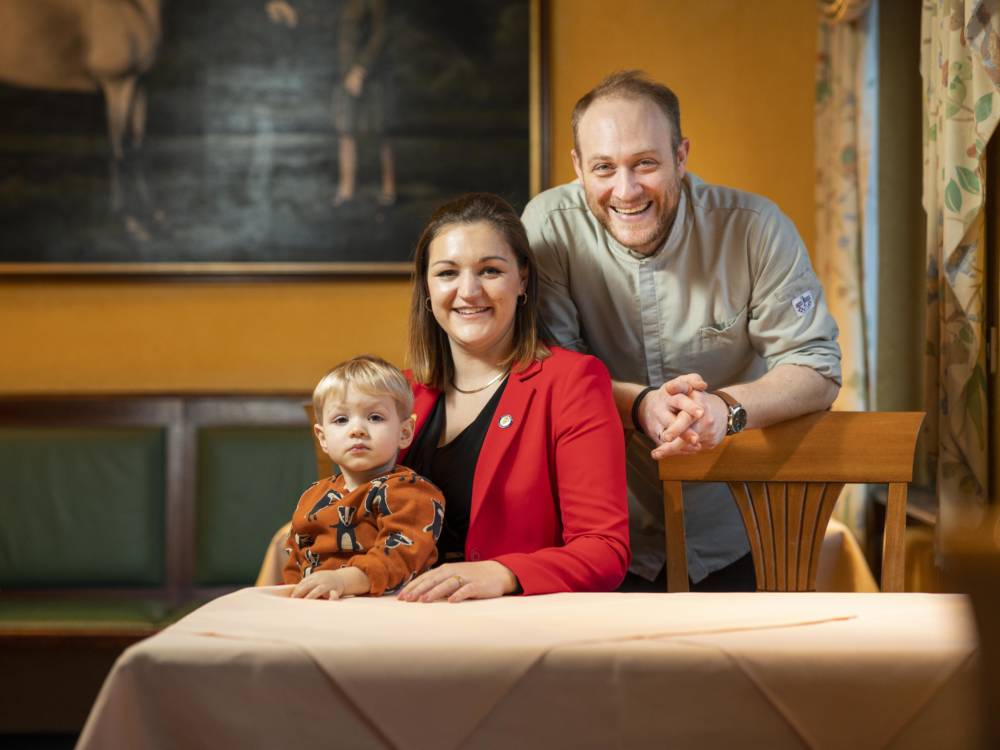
(733, 408)
(730, 401)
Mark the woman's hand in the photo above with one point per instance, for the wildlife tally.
(458, 581)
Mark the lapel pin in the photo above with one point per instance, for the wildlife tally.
(505, 421)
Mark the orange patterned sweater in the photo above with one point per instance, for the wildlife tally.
(387, 527)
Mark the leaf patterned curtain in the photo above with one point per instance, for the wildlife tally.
(843, 160)
(960, 67)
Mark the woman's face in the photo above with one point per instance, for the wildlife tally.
(474, 282)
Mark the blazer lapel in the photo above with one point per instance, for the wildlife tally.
(514, 404)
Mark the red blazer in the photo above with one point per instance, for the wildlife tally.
(548, 493)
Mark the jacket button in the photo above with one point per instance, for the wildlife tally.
(474, 555)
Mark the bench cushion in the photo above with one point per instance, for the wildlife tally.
(248, 484)
(81, 506)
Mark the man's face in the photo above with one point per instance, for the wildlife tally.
(630, 171)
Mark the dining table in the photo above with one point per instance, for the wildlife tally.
(257, 668)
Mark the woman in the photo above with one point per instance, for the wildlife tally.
(523, 439)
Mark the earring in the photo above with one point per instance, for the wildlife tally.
(427, 304)
(522, 299)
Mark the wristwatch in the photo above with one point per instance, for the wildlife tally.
(737, 414)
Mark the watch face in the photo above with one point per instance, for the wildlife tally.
(737, 419)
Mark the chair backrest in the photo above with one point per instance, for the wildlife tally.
(786, 480)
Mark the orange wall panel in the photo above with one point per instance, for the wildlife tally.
(156, 336)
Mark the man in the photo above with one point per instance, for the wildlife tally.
(681, 288)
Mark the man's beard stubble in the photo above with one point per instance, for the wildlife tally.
(651, 242)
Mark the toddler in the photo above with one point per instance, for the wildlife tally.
(375, 526)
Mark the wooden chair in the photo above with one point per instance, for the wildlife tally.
(786, 480)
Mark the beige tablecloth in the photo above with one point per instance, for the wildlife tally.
(257, 669)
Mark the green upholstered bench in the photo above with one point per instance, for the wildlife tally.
(117, 516)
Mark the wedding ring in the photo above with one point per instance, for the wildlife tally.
(461, 581)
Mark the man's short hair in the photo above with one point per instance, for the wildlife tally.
(372, 376)
(631, 84)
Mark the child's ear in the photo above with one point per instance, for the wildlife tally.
(320, 436)
(406, 431)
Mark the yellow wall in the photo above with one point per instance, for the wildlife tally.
(742, 69)
(156, 336)
(743, 72)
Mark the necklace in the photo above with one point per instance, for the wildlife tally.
(482, 387)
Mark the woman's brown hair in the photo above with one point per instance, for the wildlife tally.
(430, 354)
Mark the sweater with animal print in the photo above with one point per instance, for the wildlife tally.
(387, 527)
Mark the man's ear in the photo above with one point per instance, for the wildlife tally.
(577, 166)
(683, 151)
(406, 431)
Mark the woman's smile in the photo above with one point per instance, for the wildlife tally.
(470, 312)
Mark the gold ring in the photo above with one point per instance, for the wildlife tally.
(461, 581)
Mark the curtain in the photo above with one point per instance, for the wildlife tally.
(960, 68)
(845, 76)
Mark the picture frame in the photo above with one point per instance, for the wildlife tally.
(223, 151)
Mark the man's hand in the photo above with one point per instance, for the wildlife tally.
(708, 429)
(680, 417)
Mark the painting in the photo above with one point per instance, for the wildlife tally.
(253, 136)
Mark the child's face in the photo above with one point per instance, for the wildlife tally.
(362, 433)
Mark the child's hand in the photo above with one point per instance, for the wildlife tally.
(323, 584)
(332, 584)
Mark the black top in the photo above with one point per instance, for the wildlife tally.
(451, 467)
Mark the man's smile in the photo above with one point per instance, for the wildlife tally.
(637, 210)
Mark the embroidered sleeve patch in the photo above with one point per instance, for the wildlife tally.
(803, 303)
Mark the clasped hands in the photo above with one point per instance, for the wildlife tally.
(682, 417)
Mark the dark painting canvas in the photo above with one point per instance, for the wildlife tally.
(235, 131)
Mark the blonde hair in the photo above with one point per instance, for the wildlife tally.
(430, 354)
(370, 375)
